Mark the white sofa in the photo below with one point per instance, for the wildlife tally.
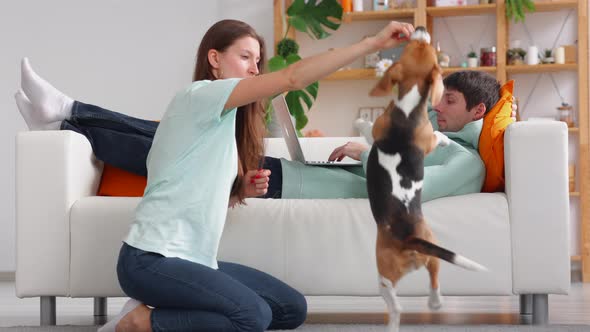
(68, 239)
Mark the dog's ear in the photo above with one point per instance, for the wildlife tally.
(389, 79)
(437, 87)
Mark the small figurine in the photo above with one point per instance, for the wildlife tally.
(444, 59)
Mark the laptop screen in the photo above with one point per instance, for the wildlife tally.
(284, 118)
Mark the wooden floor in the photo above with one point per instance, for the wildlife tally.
(563, 309)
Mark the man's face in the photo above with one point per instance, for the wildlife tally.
(452, 113)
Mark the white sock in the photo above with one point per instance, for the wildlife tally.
(365, 128)
(28, 112)
(110, 326)
(49, 103)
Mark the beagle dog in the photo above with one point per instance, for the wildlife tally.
(403, 135)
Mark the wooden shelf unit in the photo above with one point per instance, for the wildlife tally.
(424, 15)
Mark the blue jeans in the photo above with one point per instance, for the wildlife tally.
(124, 142)
(187, 296)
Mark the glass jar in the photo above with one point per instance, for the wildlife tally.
(565, 113)
(488, 57)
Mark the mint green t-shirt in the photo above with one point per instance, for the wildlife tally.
(191, 167)
(451, 170)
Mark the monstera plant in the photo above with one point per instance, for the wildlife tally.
(313, 17)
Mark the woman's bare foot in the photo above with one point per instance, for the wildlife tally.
(137, 320)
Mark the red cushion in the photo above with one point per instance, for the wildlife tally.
(117, 182)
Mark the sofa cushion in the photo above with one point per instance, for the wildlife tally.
(118, 182)
(320, 247)
(491, 139)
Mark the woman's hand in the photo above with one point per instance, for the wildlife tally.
(256, 182)
(350, 149)
(393, 35)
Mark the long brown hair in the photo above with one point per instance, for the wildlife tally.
(250, 127)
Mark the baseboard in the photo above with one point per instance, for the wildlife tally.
(7, 276)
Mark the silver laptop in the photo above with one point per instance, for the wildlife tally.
(292, 140)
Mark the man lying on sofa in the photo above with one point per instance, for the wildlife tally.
(123, 142)
(456, 169)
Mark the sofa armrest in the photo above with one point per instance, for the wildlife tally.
(53, 170)
(536, 159)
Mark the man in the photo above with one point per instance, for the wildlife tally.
(450, 170)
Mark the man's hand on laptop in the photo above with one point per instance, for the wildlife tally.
(350, 149)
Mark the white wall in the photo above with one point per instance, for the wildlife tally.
(130, 56)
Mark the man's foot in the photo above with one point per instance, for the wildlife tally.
(34, 122)
(128, 307)
(50, 105)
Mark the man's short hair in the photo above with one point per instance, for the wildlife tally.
(476, 86)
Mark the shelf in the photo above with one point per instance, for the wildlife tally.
(576, 258)
(369, 74)
(573, 130)
(352, 74)
(378, 15)
(542, 68)
(469, 10)
(555, 5)
(574, 194)
(450, 70)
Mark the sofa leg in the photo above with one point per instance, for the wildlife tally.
(540, 309)
(100, 306)
(526, 304)
(47, 310)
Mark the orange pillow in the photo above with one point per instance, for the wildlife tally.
(117, 182)
(491, 139)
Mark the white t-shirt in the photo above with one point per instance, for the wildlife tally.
(191, 168)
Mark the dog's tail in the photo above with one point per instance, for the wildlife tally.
(431, 249)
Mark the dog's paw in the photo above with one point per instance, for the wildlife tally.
(434, 299)
(392, 328)
(442, 139)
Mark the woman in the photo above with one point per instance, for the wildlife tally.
(205, 156)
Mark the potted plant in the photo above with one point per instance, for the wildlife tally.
(547, 56)
(312, 17)
(515, 56)
(472, 59)
(515, 9)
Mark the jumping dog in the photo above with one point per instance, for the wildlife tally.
(402, 136)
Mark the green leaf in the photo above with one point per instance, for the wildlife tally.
(292, 58)
(312, 89)
(268, 113)
(313, 17)
(530, 6)
(519, 10)
(277, 63)
(508, 10)
(298, 23)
